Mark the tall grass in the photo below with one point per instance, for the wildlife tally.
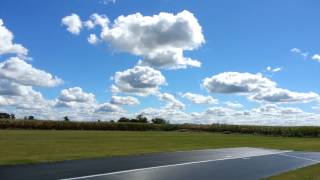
(302, 131)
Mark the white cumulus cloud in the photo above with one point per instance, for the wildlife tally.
(97, 20)
(235, 82)
(109, 108)
(140, 80)
(76, 94)
(256, 87)
(7, 46)
(172, 102)
(93, 39)
(19, 71)
(21, 97)
(316, 57)
(199, 99)
(278, 95)
(124, 100)
(160, 39)
(75, 97)
(73, 23)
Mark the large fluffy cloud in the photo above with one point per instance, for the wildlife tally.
(9, 88)
(82, 105)
(6, 42)
(17, 79)
(256, 87)
(159, 39)
(19, 71)
(75, 97)
(278, 95)
(235, 82)
(21, 97)
(140, 80)
(73, 23)
(199, 99)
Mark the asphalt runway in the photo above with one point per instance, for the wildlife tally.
(230, 163)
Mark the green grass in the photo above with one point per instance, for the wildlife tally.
(307, 173)
(34, 146)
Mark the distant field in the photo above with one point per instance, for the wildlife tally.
(307, 173)
(33, 146)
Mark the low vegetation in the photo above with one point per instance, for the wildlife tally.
(307, 173)
(142, 124)
(33, 146)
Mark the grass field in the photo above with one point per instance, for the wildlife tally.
(33, 146)
(307, 173)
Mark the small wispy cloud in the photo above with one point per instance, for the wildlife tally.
(295, 50)
(298, 51)
(305, 55)
(276, 69)
(106, 2)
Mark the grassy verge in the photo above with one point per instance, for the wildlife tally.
(307, 173)
(34, 146)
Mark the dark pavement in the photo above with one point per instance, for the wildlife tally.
(230, 163)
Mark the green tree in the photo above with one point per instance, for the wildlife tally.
(12, 116)
(123, 119)
(66, 118)
(141, 119)
(159, 121)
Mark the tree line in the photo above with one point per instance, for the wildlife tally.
(138, 119)
(142, 119)
(13, 116)
(7, 116)
(286, 131)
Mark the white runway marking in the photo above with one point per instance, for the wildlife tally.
(173, 165)
(308, 159)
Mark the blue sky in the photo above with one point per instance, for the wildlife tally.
(243, 37)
